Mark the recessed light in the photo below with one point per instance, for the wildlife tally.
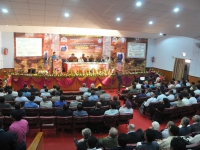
(176, 9)
(150, 22)
(161, 33)
(138, 4)
(4, 10)
(178, 25)
(118, 19)
(66, 15)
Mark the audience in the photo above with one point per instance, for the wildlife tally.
(113, 110)
(18, 107)
(56, 97)
(9, 96)
(64, 112)
(111, 140)
(193, 87)
(197, 91)
(45, 93)
(126, 108)
(3, 104)
(184, 128)
(43, 90)
(155, 127)
(2, 92)
(93, 97)
(115, 100)
(192, 99)
(53, 89)
(82, 143)
(133, 89)
(134, 136)
(26, 92)
(46, 103)
(161, 96)
(179, 102)
(87, 103)
(74, 103)
(31, 104)
(152, 99)
(177, 143)
(60, 102)
(171, 96)
(99, 92)
(196, 123)
(185, 99)
(97, 111)
(21, 98)
(105, 96)
(37, 97)
(83, 88)
(165, 132)
(92, 142)
(32, 89)
(80, 112)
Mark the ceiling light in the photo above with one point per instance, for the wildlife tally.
(66, 15)
(161, 33)
(138, 4)
(150, 22)
(176, 9)
(178, 25)
(118, 19)
(4, 10)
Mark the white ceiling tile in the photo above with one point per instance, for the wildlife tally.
(20, 17)
(24, 21)
(71, 2)
(37, 12)
(19, 5)
(51, 18)
(21, 11)
(52, 13)
(37, 1)
(36, 6)
(37, 18)
(54, 2)
(53, 7)
(18, 0)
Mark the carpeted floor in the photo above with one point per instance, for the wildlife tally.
(64, 141)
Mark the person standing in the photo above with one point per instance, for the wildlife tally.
(119, 78)
(20, 128)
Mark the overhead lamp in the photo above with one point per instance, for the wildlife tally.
(138, 4)
(4, 10)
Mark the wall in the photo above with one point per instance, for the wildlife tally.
(169, 47)
(1, 60)
(150, 52)
(8, 42)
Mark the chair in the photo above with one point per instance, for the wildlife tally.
(63, 123)
(47, 111)
(47, 122)
(185, 110)
(105, 107)
(80, 122)
(32, 111)
(78, 93)
(6, 111)
(7, 121)
(33, 122)
(141, 100)
(195, 146)
(88, 109)
(69, 97)
(12, 103)
(124, 119)
(110, 121)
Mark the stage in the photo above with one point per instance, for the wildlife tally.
(70, 83)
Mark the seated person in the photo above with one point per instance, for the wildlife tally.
(165, 144)
(60, 102)
(150, 100)
(87, 94)
(26, 93)
(21, 98)
(122, 141)
(83, 88)
(24, 87)
(72, 58)
(115, 100)
(45, 93)
(84, 58)
(192, 99)
(2, 92)
(97, 111)
(148, 92)
(9, 96)
(171, 95)
(196, 123)
(43, 90)
(133, 89)
(87, 103)
(184, 128)
(177, 143)
(56, 97)
(37, 97)
(134, 136)
(142, 94)
(105, 96)
(93, 143)
(113, 110)
(91, 58)
(99, 92)
(179, 102)
(155, 127)
(74, 103)
(18, 107)
(80, 112)
(111, 140)
(53, 89)
(93, 97)
(130, 87)
(92, 87)
(149, 144)
(161, 96)
(177, 84)
(126, 108)
(165, 132)
(64, 112)
(98, 58)
(45, 103)
(185, 100)
(3, 104)
(31, 104)
(32, 89)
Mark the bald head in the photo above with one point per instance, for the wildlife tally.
(131, 127)
(152, 94)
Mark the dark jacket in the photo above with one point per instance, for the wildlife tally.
(134, 137)
(88, 103)
(184, 131)
(33, 90)
(7, 141)
(158, 134)
(63, 113)
(96, 112)
(195, 127)
(148, 146)
(123, 148)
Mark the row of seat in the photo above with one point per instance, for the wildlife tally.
(70, 122)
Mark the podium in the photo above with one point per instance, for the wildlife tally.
(57, 66)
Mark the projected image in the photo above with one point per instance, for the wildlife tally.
(136, 50)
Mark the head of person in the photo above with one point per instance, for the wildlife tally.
(16, 115)
(180, 96)
(1, 124)
(113, 105)
(79, 107)
(155, 125)
(185, 121)
(149, 135)
(169, 124)
(131, 127)
(92, 85)
(2, 99)
(173, 130)
(32, 85)
(98, 105)
(37, 93)
(17, 105)
(152, 94)
(72, 54)
(196, 118)
(44, 99)
(172, 82)
(193, 83)
(115, 98)
(54, 86)
(58, 88)
(99, 88)
(84, 85)
(32, 97)
(128, 104)
(86, 133)
(46, 90)
(143, 91)
(20, 94)
(171, 92)
(198, 87)
(134, 86)
(177, 143)
(192, 94)
(166, 101)
(122, 140)
(92, 142)
(185, 94)
(54, 53)
(9, 91)
(1, 90)
(62, 98)
(57, 93)
(93, 93)
(162, 91)
(113, 132)
(44, 86)
(65, 107)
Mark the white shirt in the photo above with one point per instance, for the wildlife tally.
(83, 89)
(178, 85)
(45, 94)
(14, 93)
(138, 86)
(170, 86)
(2, 94)
(94, 148)
(171, 97)
(185, 101)
(21, 99)
(47, 104)
(157, 84)
(192, 100)
(150, 100)
(197, 92)
(187, 84)
(111, 112)
(37, 98)
(125, 110)
(160, 97)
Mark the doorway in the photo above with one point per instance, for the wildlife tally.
(178, 71)
(186, 69)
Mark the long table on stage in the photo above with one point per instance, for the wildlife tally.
(71, 83)
(85, 65)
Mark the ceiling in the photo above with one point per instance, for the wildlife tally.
(48, 16)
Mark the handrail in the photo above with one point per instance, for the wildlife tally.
(37, 143)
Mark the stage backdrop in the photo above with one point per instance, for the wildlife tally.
(35, 50)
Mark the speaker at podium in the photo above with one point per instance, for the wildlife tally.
(31, 70)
